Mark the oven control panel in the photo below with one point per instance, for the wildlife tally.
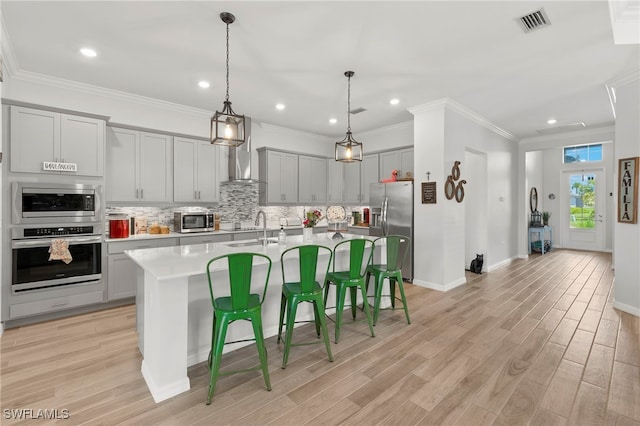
(58, 230)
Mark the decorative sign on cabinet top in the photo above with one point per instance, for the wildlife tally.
(59, 167)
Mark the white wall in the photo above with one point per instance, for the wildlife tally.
(2, 228)
(627, 236)
(535, 179)
(385, 138)
(443, 131)
(122, 108)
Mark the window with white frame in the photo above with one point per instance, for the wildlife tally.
(582, 153)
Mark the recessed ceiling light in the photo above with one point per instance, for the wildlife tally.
(280, 106)
(333, 120)
(394, 101)
(552, 121)
(204, 84)
(89, 53)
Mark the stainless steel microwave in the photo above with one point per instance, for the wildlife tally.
(53, 203)
(193, 222)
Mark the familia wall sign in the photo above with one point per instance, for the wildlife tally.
(628, 190)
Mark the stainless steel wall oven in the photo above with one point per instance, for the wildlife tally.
(32, 269)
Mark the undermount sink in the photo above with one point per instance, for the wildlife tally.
(252, 243)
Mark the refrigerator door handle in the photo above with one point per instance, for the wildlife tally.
(385, 224)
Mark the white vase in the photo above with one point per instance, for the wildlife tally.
(307, 234)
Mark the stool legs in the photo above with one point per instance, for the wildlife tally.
(394, 279)
(320, 322)
(220, 334)
(256, 322)
(341, 290)
(220, 325)
(291, 317)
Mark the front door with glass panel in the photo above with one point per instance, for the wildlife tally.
(583, 212)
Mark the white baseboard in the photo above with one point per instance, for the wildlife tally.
(633, 310)
(500, 264)
(441, 287)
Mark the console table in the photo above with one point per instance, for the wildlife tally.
(540, 232)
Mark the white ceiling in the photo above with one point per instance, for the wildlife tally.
(296, 53)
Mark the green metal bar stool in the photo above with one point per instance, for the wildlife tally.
(352, 279)
(397, 248)
(306, 289)
(242, 304)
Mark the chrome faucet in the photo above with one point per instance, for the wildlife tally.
(264, 225)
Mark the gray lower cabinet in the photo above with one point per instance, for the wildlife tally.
(121, 275)
(20, 310)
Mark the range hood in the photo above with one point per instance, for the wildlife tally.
(240, 159)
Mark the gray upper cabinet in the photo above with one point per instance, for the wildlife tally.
(278, 177)
(351, 192)
(335, 181)
(195, 165)
(369, 174)
(358, 177)
(312, 180)
(139, 166)
(39, 136)
(401, 160)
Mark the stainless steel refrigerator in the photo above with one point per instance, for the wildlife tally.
(392, 214)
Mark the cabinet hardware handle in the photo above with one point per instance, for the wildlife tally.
(137, 193)
(55, 305)
(141, 193)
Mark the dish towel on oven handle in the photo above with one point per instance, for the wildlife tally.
(59, 250)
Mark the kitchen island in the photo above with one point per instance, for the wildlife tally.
(173, 305)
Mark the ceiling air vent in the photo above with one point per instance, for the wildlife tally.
(357, 110)
(534, 21)
(560, 129)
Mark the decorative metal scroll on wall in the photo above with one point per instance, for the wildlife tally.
(453, 189)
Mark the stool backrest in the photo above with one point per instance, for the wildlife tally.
(358, 258)
(397, 248)
(307, 264)
(240, 269)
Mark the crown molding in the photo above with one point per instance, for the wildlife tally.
(281, 129)
(389, 127)
(605, 131)
(429, 106)
(36, 78)
(469, 114)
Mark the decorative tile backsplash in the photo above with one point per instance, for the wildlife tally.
(238, 203)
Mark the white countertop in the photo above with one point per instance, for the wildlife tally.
(187, 260)
(138, 237)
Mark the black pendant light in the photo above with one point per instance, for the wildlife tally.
(227, 127)
(348, 150)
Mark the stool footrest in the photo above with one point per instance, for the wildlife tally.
(244, 370)
(240, 341)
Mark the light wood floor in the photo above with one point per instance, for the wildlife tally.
(536, 342)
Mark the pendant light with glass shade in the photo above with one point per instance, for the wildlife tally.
(349, 150)
(227, 127)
